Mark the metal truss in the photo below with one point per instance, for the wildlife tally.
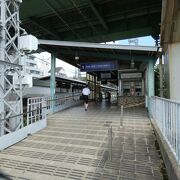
(10, 91)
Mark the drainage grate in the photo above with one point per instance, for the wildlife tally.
(84, 161)
(77, 174)
(48, 170)
(61, 172)
(72, 159)
(35, 167)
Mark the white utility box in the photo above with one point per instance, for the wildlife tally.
(28, 43)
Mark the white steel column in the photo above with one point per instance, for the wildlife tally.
(161, 76)
(143, 87)
(120, 87)
(10, 92)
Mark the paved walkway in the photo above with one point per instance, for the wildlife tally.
(74, 146)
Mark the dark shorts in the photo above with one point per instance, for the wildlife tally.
(85, 97)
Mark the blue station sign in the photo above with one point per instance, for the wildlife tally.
(99, 66)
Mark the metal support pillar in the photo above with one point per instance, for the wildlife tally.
(143, 87)
(95, 88)
(10, 69)
(53, 78)
(150, 79)
(161, 76)
(120, 87)
(121, 117)
(110, 142)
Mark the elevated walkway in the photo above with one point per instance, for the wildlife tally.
(75, 146)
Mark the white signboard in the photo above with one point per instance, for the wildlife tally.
(131, 75)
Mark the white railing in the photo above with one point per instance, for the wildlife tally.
(36, 110)
(35, 117)
(33, 120)
(166, 114)
(60, 102)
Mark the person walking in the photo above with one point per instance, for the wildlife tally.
(85, 93)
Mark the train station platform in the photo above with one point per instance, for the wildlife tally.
(74, 145)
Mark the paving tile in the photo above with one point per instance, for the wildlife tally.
(74, 145)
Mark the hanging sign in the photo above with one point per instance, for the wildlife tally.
(99, 66)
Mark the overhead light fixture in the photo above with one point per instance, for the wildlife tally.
(76, 57)
(77, 60)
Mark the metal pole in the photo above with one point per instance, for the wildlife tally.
(121, 117)
(110, 142)
(53, 78)
(161, 76)
(2, 66)
(95, 90)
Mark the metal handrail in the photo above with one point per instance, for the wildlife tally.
(166, 114)
(168, 100)
(43, 99)
(25, 113)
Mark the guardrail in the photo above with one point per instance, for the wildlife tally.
(57, 103)
(36, 110)
(15, 128)
(166, 114)
(34, 119)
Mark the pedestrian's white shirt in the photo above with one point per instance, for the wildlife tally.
(86, 91)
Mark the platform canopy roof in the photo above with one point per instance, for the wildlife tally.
(76, 53)
(79, 53)
(91, 20)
